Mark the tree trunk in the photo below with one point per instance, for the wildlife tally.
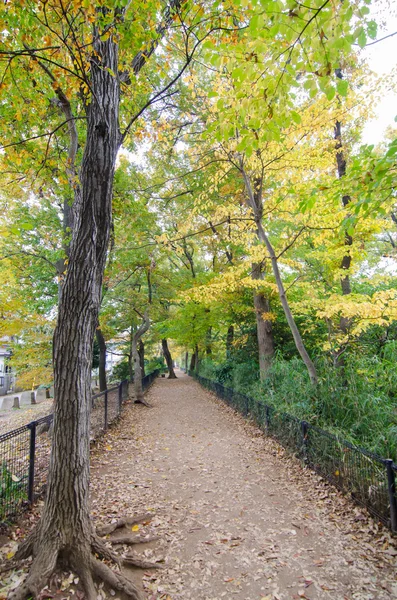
(141, 350)
(264, 328)
(136, 357)
(344, 322)
(65, 530)
(287, 311)
(186, 360)
(208, 341)
(229, 341)
(168, 359)
(254, 201)
(130, 367)
(102, 360)
(192, 362)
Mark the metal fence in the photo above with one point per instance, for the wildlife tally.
(368, 478)
(25, 452)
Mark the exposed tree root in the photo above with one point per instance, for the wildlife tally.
(25, 548)
(123, 521)
(116, 581)
(130, 540)
(134, 561)
(144, 403)
(102, 551)
(84, 561)
(84, 564)
(42, 568)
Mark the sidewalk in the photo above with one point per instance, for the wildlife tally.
(235, 516)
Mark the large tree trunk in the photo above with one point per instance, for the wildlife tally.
(102, 360)
(65, 530)
(264, 327)
(130, 367)
(168, 359)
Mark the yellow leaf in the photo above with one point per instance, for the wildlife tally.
(10, 555)
(135, 528)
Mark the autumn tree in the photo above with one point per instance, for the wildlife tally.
(83, 62)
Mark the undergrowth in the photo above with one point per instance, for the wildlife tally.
(358, 403)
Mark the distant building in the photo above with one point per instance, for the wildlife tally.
(6, 374)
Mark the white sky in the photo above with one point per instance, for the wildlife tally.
(382, 58)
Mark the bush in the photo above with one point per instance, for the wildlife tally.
(357, 403)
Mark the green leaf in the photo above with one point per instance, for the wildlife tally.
(372, 29)
(362, 38)
(342, 86)
(27, 226)
(330, 92)
(296, 117)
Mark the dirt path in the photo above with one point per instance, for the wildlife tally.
(235, 516)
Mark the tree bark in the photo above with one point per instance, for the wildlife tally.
(65, 528)
(208, 341)
(168, 359)
(229, 341)
(193, 362)
(136, 358)
(344, 322)
(186, 360)
(102, 360)
(141, 350)
(264, 326)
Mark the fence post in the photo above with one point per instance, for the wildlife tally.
(304, 430)
(120, 396)
(391, 484)
(32, 455)
(106, 410)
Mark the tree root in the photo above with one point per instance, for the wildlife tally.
(129, 560)
(102, 551)
(41, 570)
(84, 560)
(144, 403)
(115, 580)
(25, 548)
(102, 531)
(130, 540)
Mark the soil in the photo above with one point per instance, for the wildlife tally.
(235, 515)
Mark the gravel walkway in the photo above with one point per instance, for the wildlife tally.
(236, 517)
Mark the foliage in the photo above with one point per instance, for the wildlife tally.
(358, 404)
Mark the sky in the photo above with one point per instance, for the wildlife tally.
(382, 58)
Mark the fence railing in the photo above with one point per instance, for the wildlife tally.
(25, 453)
(368, 478)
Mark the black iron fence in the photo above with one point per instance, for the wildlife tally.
(25, 452)
(368, 478)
